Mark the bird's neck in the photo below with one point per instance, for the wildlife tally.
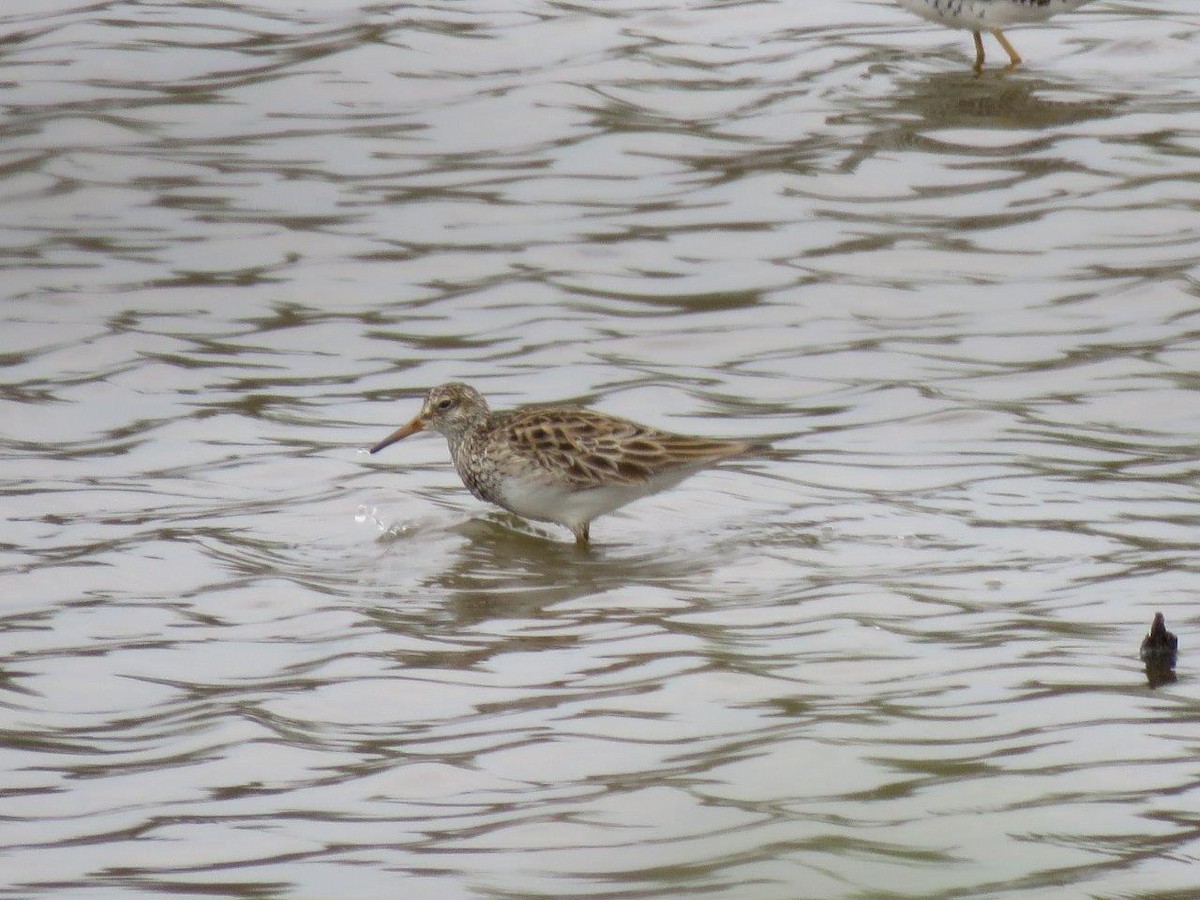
(469, 432)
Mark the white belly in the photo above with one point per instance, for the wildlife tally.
(537, 499)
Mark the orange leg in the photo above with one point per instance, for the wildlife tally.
(1008, 48)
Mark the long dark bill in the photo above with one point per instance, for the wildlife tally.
(400, 434)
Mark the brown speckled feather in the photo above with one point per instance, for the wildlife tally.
(590, 449)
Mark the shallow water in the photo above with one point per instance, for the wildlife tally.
(895, 658)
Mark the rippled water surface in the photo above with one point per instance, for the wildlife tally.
(896, 657)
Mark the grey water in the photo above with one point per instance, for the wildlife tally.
(896, 657)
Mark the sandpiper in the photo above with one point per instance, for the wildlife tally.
(563, 464)
(978, 16)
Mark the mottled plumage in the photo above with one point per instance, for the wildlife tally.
(978, 16)
(561, 464)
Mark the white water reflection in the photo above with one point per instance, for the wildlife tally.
(896, 658)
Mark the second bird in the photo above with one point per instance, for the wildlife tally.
(563, 464)
(978, 16)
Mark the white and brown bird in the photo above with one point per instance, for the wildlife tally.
(563, 464)
(978, 16)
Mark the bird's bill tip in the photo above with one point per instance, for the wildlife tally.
(400, 434)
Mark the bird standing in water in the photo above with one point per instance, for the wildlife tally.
(561, 464)
(1159, 645)
(978, 16)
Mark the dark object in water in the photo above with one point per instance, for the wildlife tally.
(1160, 646)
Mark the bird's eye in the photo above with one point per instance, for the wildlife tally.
(446, 403)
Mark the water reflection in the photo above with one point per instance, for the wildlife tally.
(1000, 101)
(1159, 673)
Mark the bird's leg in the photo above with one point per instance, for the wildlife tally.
(1008, 48)
(978, 50)
(581, 533)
